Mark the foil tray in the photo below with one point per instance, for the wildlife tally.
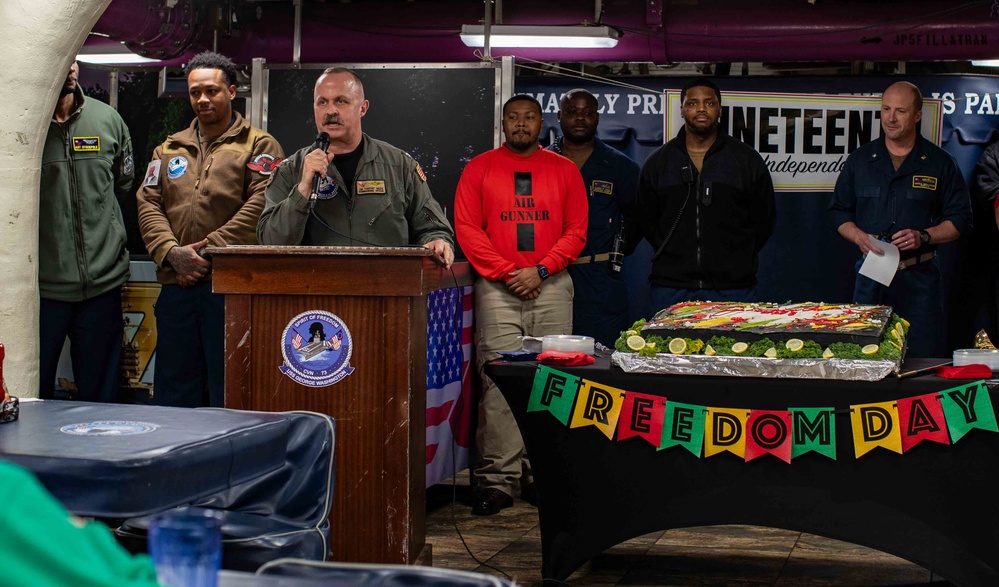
(840, 369)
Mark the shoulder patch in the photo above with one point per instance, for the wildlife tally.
(152, 173)
(419, 171)
(264, 164)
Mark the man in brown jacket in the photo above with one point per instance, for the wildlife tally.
(204, 187)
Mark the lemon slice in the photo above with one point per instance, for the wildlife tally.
(709, 351)
(650, 345)
(827, 354)
(677, 346)
(630, 333)
(635, 342)
(870, 349)
(904, 321)
(794, 344)
(739, 348)
(771, 353)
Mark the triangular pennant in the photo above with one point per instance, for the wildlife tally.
(768, 432)
(683, 425)
(642, 416)
(875, 425)
(553, 391)
(922, 418)
(813, 429)
(598, 405)
(966, 407)
(724, 430)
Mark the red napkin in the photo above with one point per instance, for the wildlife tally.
(973, 371)
(565, 359)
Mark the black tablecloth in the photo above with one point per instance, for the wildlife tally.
(934, 505)
(120, 461)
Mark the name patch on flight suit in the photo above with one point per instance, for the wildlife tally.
(371, 186)
(924, 182)
(86, 143)
(602, 187)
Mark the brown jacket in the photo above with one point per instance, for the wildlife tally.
(188, 195)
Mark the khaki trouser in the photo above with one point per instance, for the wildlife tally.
(500, 318)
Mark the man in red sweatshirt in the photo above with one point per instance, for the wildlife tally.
(520, 218)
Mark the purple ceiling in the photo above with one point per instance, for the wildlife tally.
(660, 31)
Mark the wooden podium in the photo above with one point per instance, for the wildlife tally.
(380, 295)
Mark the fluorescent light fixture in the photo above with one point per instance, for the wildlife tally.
(986, 63)
(111, 55)
(541, 37)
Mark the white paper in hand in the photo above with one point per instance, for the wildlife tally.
(881, 268)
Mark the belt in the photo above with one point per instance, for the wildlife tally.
(598, 258)
(916, 260)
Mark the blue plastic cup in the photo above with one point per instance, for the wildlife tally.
(186, 547)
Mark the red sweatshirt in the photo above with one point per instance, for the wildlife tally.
(513, 211)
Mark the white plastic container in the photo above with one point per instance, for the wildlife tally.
(988, 357)
(570, 343)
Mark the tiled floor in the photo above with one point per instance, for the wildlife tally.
(743, 556)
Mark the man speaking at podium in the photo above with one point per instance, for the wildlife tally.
(357, 191)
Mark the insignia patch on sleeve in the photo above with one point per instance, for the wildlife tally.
(264, 164)
(152, 173)
(924, 182)
(419, 171)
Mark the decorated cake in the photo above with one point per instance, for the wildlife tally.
(789, 331)
(748, 322)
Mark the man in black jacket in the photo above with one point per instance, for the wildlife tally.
(706, 205)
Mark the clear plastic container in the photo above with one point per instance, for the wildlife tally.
(570, 343)
(989, 357)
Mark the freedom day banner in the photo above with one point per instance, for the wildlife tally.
(899, 425)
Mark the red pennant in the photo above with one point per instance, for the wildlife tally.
(642, 415)
(769, 432)
(922, 418)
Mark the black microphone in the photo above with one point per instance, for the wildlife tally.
(322, 143)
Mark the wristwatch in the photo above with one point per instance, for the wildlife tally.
(924, 237)
(543, 272)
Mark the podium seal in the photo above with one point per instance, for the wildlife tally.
(108, 428)
(316, 347)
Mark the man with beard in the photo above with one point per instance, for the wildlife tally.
(706, 205)
(370, 193)
(82, 260)
(600, 306)
(204, 187)
(906, 191)
(520, 214)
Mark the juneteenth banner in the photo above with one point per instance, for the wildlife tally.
(898, 425)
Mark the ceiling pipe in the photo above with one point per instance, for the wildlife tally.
(158, 29)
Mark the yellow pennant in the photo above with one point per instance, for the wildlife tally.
(725, 430)
(875, 425)
(598, 405)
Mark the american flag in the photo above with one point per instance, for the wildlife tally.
(449, 381)
(296, 341)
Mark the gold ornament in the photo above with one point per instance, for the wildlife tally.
(982, 340)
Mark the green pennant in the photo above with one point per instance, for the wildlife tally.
(553, 391)
(683, 425)
(813, 429)
(966, 407)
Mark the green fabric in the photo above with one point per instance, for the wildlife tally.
(42, 545)
(81, 246)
